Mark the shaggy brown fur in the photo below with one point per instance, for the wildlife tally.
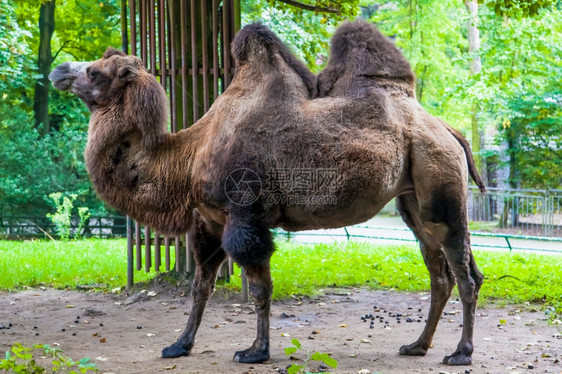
(362, 58)
(264, 127)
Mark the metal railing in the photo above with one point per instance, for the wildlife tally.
(517, 211)
(26, 227)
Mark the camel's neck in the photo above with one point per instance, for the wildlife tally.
(137, 167)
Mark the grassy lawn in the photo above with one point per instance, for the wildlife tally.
(296, 269)
(63, 264)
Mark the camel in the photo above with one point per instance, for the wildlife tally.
(349, 145)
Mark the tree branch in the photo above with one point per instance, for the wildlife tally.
(60, 49)
(309, 7)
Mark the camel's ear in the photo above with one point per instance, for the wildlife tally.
(112, 52)
(127, 73)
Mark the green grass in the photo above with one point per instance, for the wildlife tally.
(513, 278)
(296, 269)
(63, 264)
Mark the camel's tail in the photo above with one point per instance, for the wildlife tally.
(470, 160)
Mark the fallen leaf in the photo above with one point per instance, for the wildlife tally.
(68, 306)
(342, 325)
(102, 340)
(170, 367)
(151, 294)
(150, 335)
(285, 334)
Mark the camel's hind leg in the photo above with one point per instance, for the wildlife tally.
(442, 279)
(209, 256)
(444, 216)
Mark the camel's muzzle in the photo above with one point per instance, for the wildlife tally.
(64, 75)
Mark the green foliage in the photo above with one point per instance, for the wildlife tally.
(520, 8)
(32, 166)
(316, 356)
(307, 33)
(84, 215)
(518, 84)
(23, 360)
(432, 36)
(61, 218)
(533, 131)
(63, 215)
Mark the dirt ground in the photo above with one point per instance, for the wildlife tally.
(125, 334)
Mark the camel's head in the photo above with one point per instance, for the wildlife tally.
(98, 82)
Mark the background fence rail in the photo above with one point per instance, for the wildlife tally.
(517, 211)
(26, 227)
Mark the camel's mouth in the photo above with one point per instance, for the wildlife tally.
(61, 77)
(64, 75)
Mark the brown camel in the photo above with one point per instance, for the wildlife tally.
(268, 154)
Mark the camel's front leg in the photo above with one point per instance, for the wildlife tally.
(208, 257)
(248, 241)
(259, 279)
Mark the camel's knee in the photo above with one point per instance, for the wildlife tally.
(202, 288)
(261, 294)
(443, 285)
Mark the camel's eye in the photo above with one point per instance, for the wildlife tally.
(93, 73)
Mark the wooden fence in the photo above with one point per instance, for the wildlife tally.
(186, 45)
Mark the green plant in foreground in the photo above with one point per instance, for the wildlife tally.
(61, 218)
(317, 356)
(20, 360)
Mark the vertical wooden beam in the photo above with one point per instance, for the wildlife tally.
(130, 254)
(142, 21)
(124, 33)
(133, 21)
(162, 42)
(194, 64)
(157, 253)
(177, 248)
(167, 252)
(152, 35)
(226, 9)
(215, 45)
(138, 245)
(205, 55)
(183, 63)
(147, 250)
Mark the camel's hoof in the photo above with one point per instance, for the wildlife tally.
(174, 351)
(414, 349)
(457, 358)
(251, 356)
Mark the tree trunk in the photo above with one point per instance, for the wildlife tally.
(45, 58)
(475, 68)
